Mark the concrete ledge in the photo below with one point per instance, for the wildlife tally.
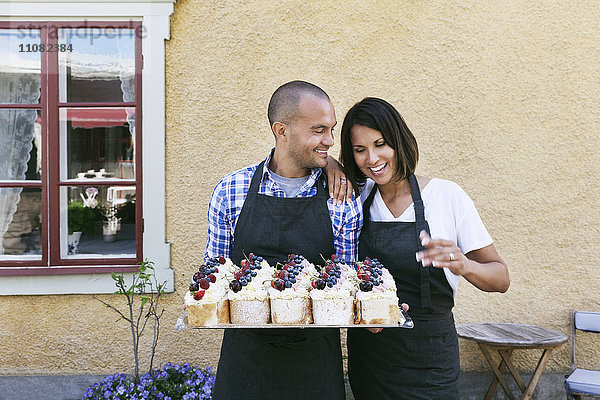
(46, 387)
(473, 386)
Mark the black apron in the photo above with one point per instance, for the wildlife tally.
(396, 363)
(281, 363)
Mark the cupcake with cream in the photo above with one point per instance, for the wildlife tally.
(248, 296)
(289, 291)
(206, 300)
(376, 298)
(332, 296)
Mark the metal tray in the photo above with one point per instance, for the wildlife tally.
(181, 324)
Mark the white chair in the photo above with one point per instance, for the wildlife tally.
(582, 381)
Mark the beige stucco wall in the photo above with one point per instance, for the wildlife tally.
(503, 98)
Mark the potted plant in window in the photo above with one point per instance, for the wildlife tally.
(111, 225)
(82, 217)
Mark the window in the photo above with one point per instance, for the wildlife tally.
(72, 144)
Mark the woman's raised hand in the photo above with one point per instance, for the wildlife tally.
(441, 253)
(340, 189)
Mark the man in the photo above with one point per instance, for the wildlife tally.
(277, 207)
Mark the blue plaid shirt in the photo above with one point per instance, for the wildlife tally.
(228, 198)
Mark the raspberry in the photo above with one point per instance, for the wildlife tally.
(204, 283)
(221, 260)
(212, 278)
(238, 274)
(199, 295)
(279, 284)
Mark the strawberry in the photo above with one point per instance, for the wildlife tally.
(283, 274)
(314, 285)
(199, 295)
(221, 260)
(244, 263)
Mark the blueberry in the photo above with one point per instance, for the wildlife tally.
(293, 280)
(329, 284)
(253, 273)
(288, 284)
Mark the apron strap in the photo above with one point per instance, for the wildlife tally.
(368, 202)
(421, 225)
(256, 178)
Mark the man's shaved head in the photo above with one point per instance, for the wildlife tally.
(283, 106)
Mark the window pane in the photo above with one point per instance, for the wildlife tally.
(21, 222)
(100, 67)
(104, 218)
(97, 143)
(20, 144)
(20, 66)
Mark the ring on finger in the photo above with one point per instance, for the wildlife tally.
(343, 181)
(451, 256)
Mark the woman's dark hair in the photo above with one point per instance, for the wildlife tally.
(381, 116)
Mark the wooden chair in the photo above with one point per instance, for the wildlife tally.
(582, 381)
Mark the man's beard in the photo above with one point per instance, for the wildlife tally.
(302, 159)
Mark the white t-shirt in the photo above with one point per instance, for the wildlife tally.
(450, 213)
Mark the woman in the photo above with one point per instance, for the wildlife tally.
(427, 232)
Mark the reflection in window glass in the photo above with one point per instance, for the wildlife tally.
(21, 222)
(99, 221)
(20, 66)
(20, 144)
(100, 67)
(99, 143)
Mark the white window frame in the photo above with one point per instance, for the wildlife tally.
(155, 18)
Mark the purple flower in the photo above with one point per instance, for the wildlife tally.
(172, 381)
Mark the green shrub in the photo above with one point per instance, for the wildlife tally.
(83, 219)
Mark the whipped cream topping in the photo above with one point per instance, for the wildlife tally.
(249, 292)
(288, 293)
(335, 292)
(213, 294)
